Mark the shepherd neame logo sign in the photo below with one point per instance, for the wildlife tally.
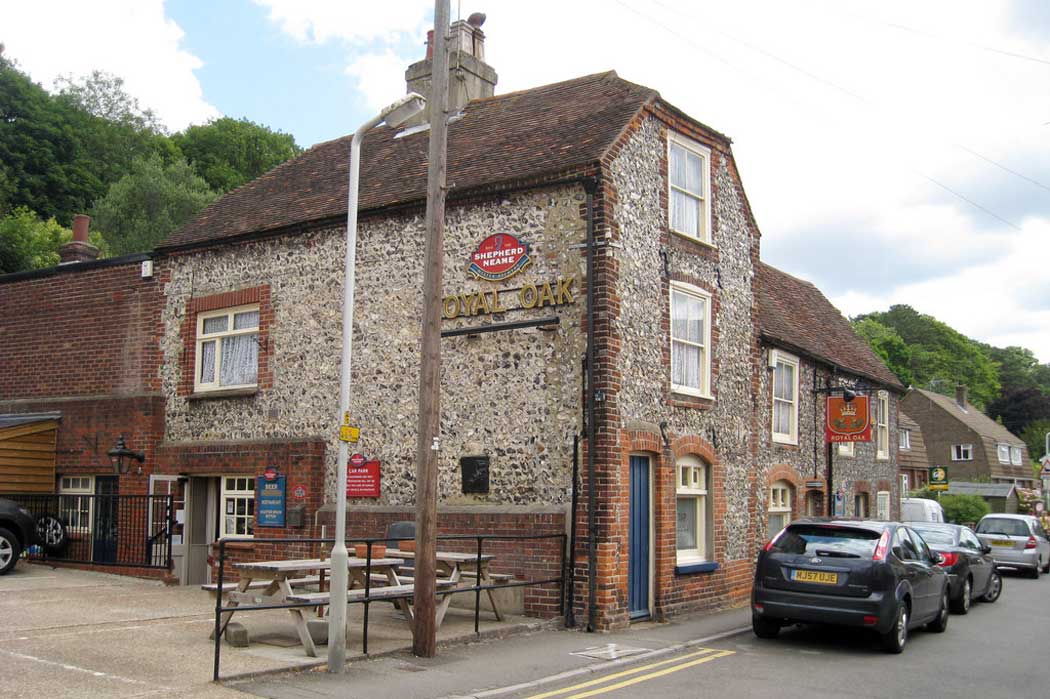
(499, 257)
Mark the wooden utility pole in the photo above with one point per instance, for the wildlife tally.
(424, 631)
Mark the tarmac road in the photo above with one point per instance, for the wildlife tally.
(997, 650)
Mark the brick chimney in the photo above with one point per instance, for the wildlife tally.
(961, 395)
(78, 249)
(470, 78)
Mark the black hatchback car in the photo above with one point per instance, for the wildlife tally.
(972, 573)
(879, 575)
(18, 531)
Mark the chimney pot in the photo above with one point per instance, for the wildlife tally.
(961, 394)
(78, 249)
(80, 227)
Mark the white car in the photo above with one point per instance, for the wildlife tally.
(921, 510)
(1017, 541)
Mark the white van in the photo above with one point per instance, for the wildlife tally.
(921, 510)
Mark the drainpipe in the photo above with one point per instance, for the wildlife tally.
(570, 613)
(590, 186)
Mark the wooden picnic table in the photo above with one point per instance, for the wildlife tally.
(278, 574)
(453, 566)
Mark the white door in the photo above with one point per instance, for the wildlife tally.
(170, 485)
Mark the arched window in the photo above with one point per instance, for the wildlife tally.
(781, 500)
(693, 515)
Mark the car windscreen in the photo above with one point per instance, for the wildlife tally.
(936, 536)
(820, 540)
(1002, 525)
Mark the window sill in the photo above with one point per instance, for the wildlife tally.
(689, 400)
(785, 441)
(224, 393)
(692, 239)
(685, 568)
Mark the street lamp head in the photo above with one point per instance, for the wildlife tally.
(404, 109)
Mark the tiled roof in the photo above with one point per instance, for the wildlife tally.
(988, 490)
(915, 456)
(795, 313)
(16, 419)
(508, 138)
(973, 418)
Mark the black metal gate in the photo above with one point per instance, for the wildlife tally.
(106, 528)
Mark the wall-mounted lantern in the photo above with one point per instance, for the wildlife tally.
(121, 457)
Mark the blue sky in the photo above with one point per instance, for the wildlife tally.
(893, 152)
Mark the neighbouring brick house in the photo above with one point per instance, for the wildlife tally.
(249, 340)
(911, 453)
(971, 445)
(79, 347)
(808, 346)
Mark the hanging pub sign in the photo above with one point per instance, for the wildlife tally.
(499, 257)
(273, 492)
(847, 421)
(938, 478)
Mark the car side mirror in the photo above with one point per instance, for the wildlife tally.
(985, 548)
(936, 558)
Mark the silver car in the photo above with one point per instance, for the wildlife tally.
(1017, 541)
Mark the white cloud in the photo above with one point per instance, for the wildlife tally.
(318, 21)
(129, 38)
(380, 77)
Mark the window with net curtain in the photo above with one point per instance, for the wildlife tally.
(785, 398)
(227, 349)
(687, 187)
(781, 500)
(690, 329)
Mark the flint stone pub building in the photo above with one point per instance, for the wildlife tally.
(709, 375)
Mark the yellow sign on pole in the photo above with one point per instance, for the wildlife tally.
(349, 434)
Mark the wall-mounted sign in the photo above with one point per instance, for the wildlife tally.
(499, 257)
(938, 478)
(363, 481)
(272, 492)
(477, 303)
(299, 491)
(270, 473)
(847, 421)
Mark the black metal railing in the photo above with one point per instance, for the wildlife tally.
(454, 542)
(110, 530)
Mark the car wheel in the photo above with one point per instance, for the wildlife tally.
(52, 534)
(961, 605)
(764, 628)
(1034, 573)
(940, 624)
(1046, 568)
(995, 587)
(893, 640)
(10, 549)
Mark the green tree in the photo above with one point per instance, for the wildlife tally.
(42, 166)
(1034, 435)
(941, 357)
(152, 200)
(1018, 408)
(229, 152)
(888, 345)
(964, 509)
(27, 242)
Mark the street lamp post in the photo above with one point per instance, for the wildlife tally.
(394, 115)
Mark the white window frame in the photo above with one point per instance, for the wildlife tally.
(962, 452)
(781, 501)
(233, 495)
(882, 426)
(848, 449)
(1003, 451)
(705, 349)
(84, 507)
(676, 140)
(215, 385)
(904, 439)
(696, 475)
(1016, 456)
(882, 505)
(790, 437)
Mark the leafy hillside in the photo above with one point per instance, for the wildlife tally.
(1008, 383)
(89, 147)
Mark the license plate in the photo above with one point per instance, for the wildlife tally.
(1001, 542)
(815, 576)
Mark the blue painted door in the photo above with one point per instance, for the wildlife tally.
(638, 558)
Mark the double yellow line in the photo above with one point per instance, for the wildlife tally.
(704, 655)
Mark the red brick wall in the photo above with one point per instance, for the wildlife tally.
(537, 559)
(86, 332)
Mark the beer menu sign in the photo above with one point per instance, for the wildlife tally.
(499, 257)
(847, 421)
